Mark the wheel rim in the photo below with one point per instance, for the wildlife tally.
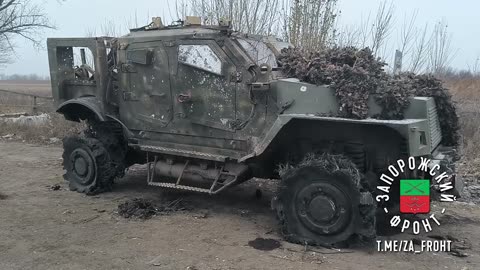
(323, 208)
(83, 166)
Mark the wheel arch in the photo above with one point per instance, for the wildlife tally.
(285, 123)
(289, 131)
(82, 108)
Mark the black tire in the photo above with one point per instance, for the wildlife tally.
(88, 165)
(111, 136)
(319, 204)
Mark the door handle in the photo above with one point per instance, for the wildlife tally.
(184, 98)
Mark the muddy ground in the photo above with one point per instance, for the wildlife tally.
(44, 228)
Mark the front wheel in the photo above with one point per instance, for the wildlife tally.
(88, 165)
(319, 202)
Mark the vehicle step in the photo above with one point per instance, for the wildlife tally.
(174, 186)
(180, 152)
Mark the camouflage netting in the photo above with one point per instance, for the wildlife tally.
(356, 74)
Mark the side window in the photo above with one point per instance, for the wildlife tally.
(201, 57)
(76, 63)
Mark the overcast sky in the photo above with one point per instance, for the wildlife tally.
(75, 17)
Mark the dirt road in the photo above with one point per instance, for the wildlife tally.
(45, 229)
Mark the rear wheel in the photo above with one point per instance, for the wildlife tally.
(88, 165)
(320, 202)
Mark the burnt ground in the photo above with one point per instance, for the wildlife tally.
(52, 228)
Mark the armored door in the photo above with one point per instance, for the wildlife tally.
(146, 93)
(204, 88)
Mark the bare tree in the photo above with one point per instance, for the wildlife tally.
(20, 18)
(382, 26)
(311, 23)
(374, 31)
(304, 23)
(349, 35)
(422, 49)
(440, 53)
(111, 28)
(132, 22)
(475, 67)
(419, 55)
(4, 52)
(408, 33)
(364, 31)
(252, 17)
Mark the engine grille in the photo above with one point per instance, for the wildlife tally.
(435, 131)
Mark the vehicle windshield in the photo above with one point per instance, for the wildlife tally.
(259, 52)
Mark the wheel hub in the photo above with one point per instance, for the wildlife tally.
(323, 208)
(83, 166)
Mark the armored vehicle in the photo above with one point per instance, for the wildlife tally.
(207, 108)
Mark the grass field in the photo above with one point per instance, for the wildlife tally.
(39, 88)
(466, 94)
(13, 103)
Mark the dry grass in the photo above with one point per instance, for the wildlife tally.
(58, 127)
(466, 94)
(12, 103)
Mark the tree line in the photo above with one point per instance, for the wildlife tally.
(22, 77)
